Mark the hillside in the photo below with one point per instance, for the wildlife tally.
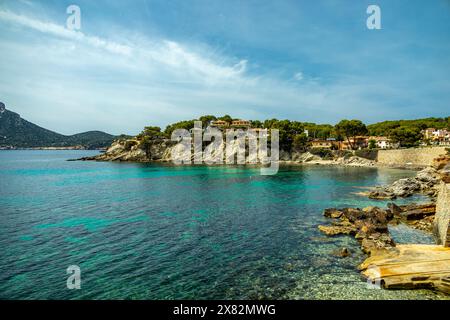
(385, 127)
(20, 133)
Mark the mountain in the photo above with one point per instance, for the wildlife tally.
(20, 133)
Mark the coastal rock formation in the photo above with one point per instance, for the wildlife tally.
(368, 225)
(441, 224)
(307, 157)
(442, 164)
(389, 265)
(355, 161)
(135, 150)
(418, 216)
(412, 266)
(158, 148)
(424, 182)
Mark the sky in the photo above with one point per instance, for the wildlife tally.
(154, 62)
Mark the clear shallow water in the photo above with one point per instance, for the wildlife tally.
(145, 231)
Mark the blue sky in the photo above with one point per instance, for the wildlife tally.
(148, 62)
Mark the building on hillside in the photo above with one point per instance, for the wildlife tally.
(358, 142)
(439, 136)
(219, 124)
(428, 133)
(319, 143)
(241, 124)
(383, 142)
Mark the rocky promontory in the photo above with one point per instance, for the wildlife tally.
(162, 149)
(424, 182)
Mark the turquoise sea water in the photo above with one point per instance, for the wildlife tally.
(148, 231)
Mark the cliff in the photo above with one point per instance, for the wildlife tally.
(442, 219)
(157, 149)
(162, 149)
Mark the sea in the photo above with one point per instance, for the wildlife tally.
(156, 231)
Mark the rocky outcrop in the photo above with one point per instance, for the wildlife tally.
(356, 161)
(308, 157)
(424, 182)
(162, 149)
(369, 226)
(389, 265)
(134, 150)
(418, 216)
(412, 266)
(442, 165)
(441, 223)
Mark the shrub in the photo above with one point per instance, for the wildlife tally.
(324, 153)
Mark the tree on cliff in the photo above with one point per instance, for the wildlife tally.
(206, 120)
(287, 130)
(350, 129)
(300, 142)
(226, 118)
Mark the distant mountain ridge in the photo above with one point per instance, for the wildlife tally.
(17, 132)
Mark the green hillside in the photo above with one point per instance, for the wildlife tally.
(20, 133)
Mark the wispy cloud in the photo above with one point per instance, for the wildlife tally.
(298, 76)
(100, 77)
(60, 31)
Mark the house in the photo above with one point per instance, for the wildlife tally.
(241, 124)
(439, 136)
(319, 143)
(358, 142)
(383, 142)
(428, 133)
(219, 124)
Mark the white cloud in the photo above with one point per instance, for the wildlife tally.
(60, 31)
(83, 82)
(298, 76)
(169, 53)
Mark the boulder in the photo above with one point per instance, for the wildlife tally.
(368, 225)
(440, 162)
(332, 213)
(417, 211)
(342, 253)
(334, 230)
(381, 194)
(424, 182)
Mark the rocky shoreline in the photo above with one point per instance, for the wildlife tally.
(370, 226)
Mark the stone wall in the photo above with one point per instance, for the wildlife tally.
(410, 157)
(442, 218)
